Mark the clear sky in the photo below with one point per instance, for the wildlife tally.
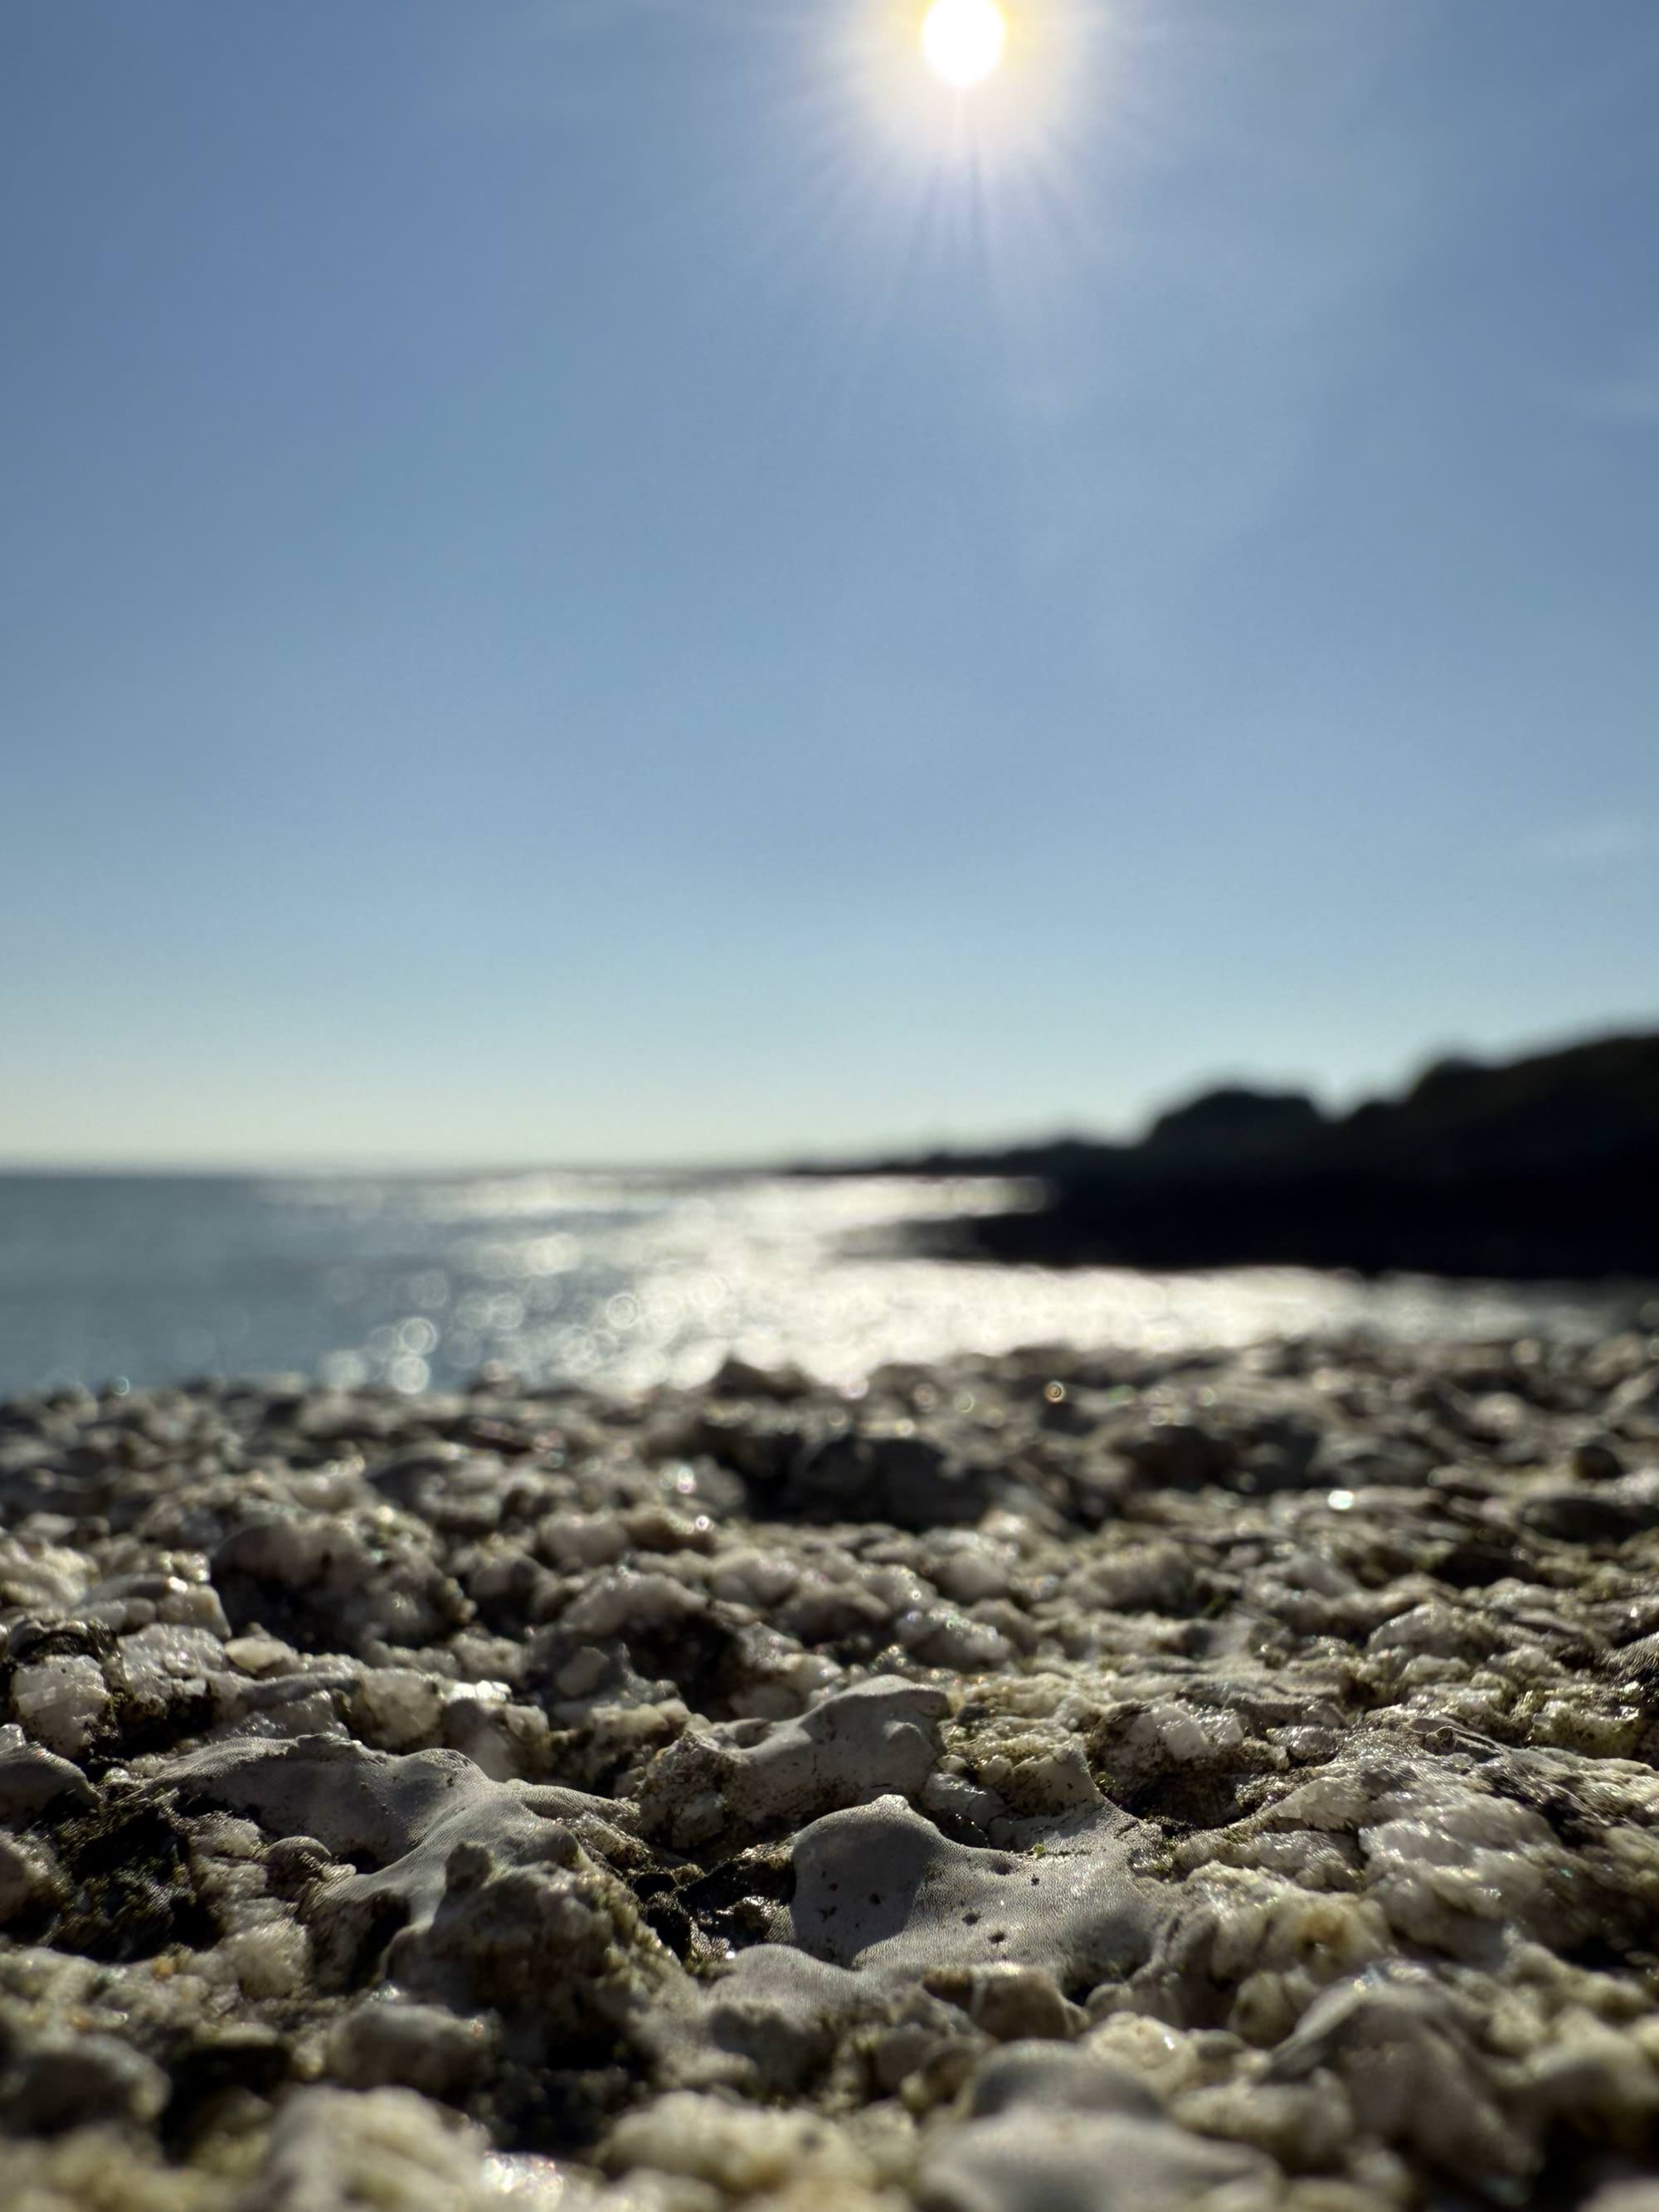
(635, 579)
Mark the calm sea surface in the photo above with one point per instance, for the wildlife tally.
(617, 1280)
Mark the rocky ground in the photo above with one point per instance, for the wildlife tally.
(1062, 1783)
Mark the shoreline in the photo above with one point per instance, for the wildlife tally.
(1542, 1168)
(1111, 1777)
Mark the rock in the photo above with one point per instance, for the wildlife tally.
(29, 1880)
(1049, 2130)
(880, 1889)
(63, 1702)
(1632, 2195)
(1587, 1516)
(855, 1744)
(843, 1474)
(386, 2150)
(770, 2026)
(431, 1827)
(741, 2152)
(1595, 1460)
(1413, 2076)
(31, 1778)
(63, 2081)
(1011, 2003)
(316, 1581)
(391, 2043)
(528, 1925)
(741, 1378)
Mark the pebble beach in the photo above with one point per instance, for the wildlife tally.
(1067, 1780)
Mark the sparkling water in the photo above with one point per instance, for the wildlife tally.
(615, 1280)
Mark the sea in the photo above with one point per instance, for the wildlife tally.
(618, 1282)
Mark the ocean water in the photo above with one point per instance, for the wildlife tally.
(619, 1281)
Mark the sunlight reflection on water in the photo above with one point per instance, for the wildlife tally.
(649, 1283)
(621, 1282)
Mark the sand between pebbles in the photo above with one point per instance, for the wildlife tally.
(1065, 1783)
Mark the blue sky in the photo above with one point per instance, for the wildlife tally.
(632, 579)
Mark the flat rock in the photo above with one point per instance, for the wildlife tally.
(878, 1888)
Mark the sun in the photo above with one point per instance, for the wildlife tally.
(964, 39)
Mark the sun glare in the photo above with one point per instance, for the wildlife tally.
(964, 39)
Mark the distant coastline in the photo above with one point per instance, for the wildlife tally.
(1541, 1168)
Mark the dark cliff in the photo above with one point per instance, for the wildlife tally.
(1547, 1166)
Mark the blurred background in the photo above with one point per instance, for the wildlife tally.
(671, 587)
